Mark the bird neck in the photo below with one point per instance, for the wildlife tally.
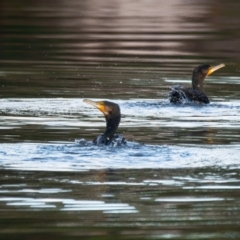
(112, 125)
(197, 82)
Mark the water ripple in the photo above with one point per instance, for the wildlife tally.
(74, 157)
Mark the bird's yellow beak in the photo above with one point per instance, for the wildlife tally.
(215, 68)
(98, 105)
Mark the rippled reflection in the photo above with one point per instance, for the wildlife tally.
(144, 121)
(178, 177)
(129, 200)
(69, 204)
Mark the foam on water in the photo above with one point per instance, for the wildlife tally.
(73, 113)
(81, 157)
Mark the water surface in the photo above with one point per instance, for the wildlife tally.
(178, 175)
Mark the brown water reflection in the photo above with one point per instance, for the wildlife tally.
(147, 204)
(91, 48)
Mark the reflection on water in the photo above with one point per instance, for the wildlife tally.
(148, 202)
(178, 177)
(145, 121)
(118, 50)
(68, 204)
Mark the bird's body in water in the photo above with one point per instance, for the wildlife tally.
(180, 94)
(112, 114)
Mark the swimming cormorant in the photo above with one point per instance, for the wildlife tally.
(112, 114)
(180, 94)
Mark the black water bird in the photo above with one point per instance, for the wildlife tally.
(112, 114)
(180, 94)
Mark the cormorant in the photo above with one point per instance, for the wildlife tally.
(180, 94)
(112, 114)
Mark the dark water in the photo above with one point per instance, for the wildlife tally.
(121, 204)
(178, 176)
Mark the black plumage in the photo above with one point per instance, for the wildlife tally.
(180, 94)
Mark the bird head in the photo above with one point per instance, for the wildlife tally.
(202, 71)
